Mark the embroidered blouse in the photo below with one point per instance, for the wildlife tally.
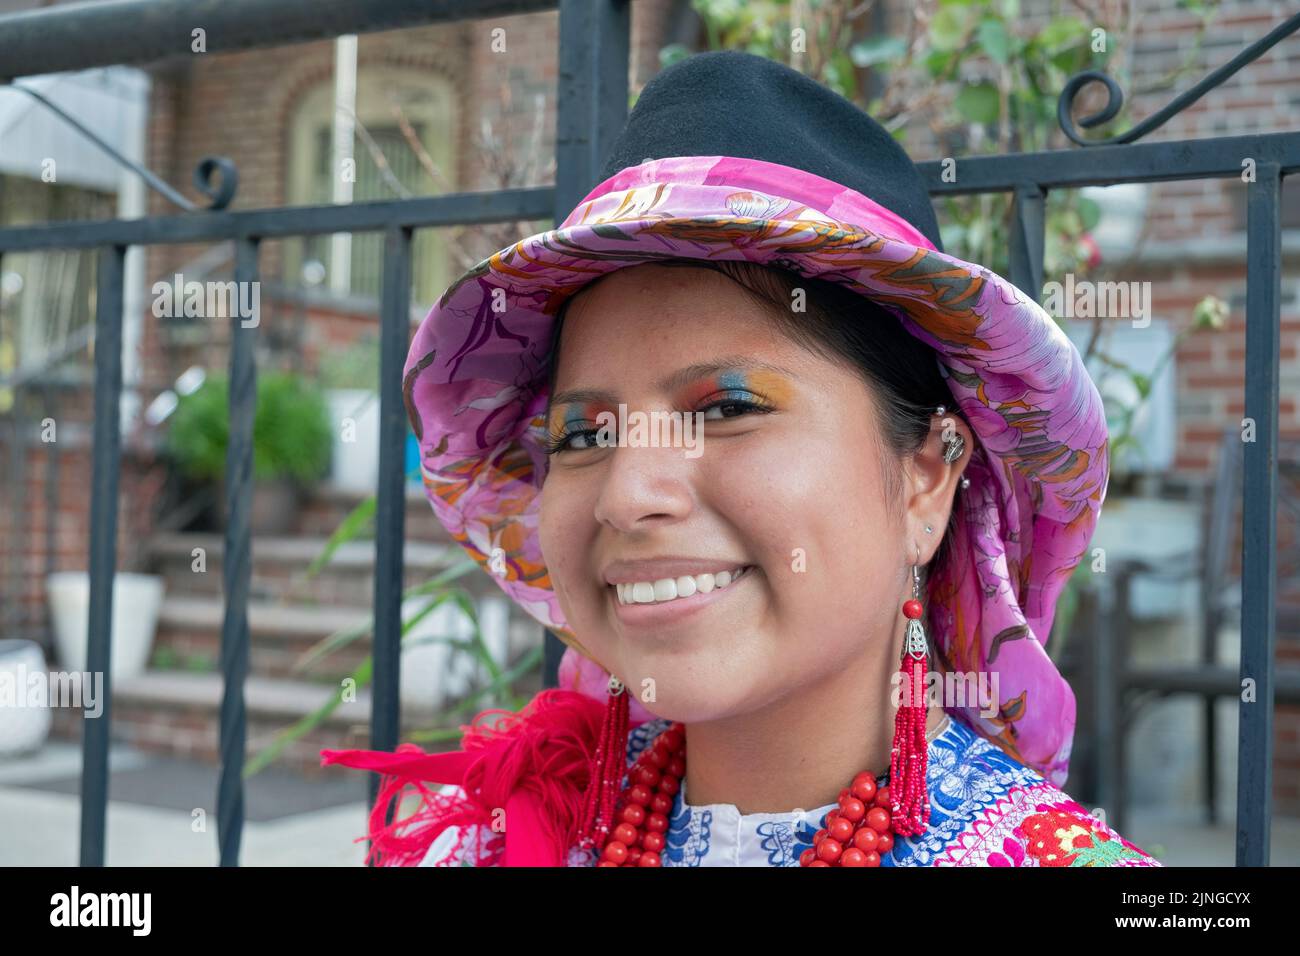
(986, 809)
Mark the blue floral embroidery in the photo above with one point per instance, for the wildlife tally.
(966, 773)
(779, 842)
(688, 835)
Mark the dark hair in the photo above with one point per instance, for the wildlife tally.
(901, 372)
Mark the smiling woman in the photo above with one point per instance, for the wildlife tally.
(901, 460)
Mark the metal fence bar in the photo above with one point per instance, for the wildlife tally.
(592, 95)
(107, 460)
(1259, 515)
(85, 35)
(1057, 169)
(457, 209)
(1028, 235)
(1219, 158)
(237, 560)
(390, 506)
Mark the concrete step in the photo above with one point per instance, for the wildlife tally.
(327, 505)
(192, 564)
(178, 714)
(189, 637)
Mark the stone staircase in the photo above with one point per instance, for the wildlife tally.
(174, 707)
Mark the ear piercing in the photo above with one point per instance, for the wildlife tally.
(953, 447)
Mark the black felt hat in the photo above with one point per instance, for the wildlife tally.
(730, 103)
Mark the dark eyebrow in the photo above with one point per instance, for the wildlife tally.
(673, 381)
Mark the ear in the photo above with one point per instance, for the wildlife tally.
(930, 486)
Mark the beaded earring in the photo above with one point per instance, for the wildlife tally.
(909, 800)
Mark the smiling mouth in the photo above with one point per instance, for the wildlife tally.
(671, 590)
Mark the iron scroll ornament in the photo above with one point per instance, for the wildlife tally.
(1115, 96)
(219, 195)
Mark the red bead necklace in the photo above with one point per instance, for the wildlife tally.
(857, 832)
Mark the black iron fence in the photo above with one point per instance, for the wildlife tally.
(592, 103)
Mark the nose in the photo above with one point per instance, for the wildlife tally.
(644, 487)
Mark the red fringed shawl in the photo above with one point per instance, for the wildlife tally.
(524, 777)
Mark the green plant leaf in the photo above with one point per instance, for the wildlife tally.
(948, 28)
(356, 521)
(1089, 213)
(994, 40)
(979, 103)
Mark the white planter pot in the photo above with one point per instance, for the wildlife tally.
(354, 465)
(137, 599)
(24, 721)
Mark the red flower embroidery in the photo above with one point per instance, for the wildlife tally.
(1072, 837)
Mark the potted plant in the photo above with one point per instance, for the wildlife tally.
(291, 444)
(137, 603)
(350, 378)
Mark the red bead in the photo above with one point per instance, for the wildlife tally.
(818, 837)
(654, 841)
(633, 855)
(658, 757)
(840, 830)
(639, 794)
(882, 797)
(843, 793)
(672, 739)
(656, 823)
(912, 608)
(829, 850)
(669, 785)
(606, 863)
(819, 863)
(661, 803)
(853, 809)
(649, 858)
(677, 767)
(626, 834)
(878, 819)
(885, 842)
(873, 858)
(647, 776)
(853, 857)
(807, 856)
(866, 839)
(634, 814)
(864, 787)
(615, 852)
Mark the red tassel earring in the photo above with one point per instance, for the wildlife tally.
(909, 799)
(607, 768)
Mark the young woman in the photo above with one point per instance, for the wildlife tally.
(798, 490)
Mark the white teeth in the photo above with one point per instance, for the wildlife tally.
(669, 589)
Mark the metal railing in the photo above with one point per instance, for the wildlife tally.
(592, 103)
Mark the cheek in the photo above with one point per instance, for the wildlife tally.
(810, 508)
(560, 537)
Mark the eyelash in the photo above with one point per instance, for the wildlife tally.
(554, 444)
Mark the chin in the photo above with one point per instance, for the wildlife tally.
(689, 701)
